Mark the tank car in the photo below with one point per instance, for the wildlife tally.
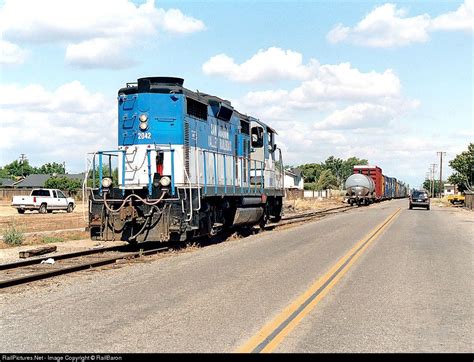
(187, 164)
(360, 189)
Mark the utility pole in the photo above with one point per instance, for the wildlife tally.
(432, 181)
(441, 153)
(22, 159)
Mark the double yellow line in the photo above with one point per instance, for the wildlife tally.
(270, 336)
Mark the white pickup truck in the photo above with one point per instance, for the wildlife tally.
(43, 200)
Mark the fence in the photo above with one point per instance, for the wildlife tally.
(8, 193)
(324, 194)
(317, 194)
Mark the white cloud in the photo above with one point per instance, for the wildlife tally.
(99, 53)
(62, 124)
(266, 65)
(328, 85)
(91, 29)
(385, 26)
(388, 27)
(175, 21)
(11, 54)
(461, 19)
(360, 115)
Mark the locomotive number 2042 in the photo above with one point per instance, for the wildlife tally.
(144, 135)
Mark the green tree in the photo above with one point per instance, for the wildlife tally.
(463, 164)
(340, 169)
(50, 168)
(17, 168)
(23, 168)
(348, 167)
(4, 173)
(335, 165)
(311, 171)
(326, 180)
(427, 186)
(63, 183)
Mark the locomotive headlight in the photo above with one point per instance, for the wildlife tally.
(143, 125)
(165, 181)
(143, 121)
(106, 182)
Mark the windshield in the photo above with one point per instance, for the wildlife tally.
(419, 194)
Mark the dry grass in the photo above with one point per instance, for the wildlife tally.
(40, 239)
(308, 204)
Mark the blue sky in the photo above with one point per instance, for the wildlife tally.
(387, 81)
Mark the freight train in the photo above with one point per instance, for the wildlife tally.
(367, 185)
(188, 164)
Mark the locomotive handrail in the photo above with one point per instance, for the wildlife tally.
(114, 153)
(243, 159)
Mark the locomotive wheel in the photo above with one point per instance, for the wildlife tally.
(276, 218)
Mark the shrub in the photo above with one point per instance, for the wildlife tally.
(13, 236)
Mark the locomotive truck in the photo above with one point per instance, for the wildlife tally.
(188, 164)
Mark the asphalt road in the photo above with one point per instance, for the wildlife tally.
(407, 289)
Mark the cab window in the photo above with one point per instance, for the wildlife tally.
(257, 137)
(60, 194)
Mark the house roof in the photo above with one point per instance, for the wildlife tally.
(294, 172)
(38, 180)
(6, 182)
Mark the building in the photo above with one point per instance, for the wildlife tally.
(38, 180)
(450, 189)
(294, 179)
(7, 182)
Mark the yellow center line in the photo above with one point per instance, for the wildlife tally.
(271, 335)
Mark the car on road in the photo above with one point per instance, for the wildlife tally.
(43, 200)
(419, 198)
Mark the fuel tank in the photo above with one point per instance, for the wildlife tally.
(359, 185)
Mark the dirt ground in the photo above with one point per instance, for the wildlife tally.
(299, 205)
(33, 221)
(11, 254)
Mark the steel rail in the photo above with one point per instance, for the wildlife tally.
(78, 267)
(33, 261)
(315, 213)
(306, 216)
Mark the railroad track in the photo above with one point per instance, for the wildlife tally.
(26, 271)
(310, 215)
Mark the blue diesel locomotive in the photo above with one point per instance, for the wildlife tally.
(188, 164)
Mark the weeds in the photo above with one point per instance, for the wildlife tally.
(13, 235)
(51, 239)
